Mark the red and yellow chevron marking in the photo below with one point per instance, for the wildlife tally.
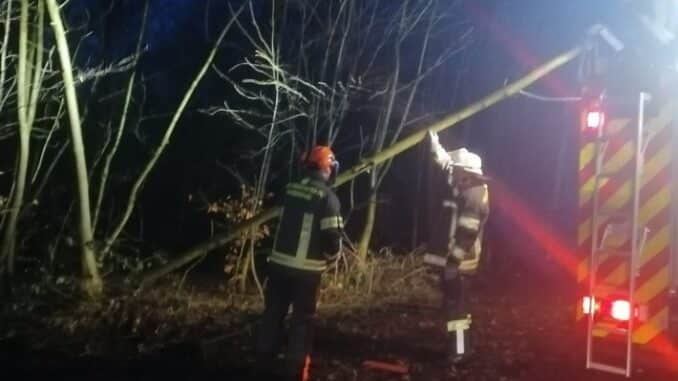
(615, 193)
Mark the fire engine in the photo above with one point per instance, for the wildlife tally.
(628, 202)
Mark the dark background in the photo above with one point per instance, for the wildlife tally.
(529, 147)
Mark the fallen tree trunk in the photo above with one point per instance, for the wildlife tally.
(368, 163)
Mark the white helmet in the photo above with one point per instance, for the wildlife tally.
(467, 160)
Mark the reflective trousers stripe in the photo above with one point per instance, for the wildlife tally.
(298, 263)
(470, 223)
(470, 264)
(458, 327)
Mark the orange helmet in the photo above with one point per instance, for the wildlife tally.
(322, 158)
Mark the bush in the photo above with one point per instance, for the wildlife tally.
(229, 212)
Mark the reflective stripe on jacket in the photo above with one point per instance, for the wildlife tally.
(310, 226)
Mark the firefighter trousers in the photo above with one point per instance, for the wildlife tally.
(285, 287)
(455, 286)
(472, 215)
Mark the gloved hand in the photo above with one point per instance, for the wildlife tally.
(458, 254)
(434, 139)
(439, 154)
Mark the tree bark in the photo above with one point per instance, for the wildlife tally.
(9, 239)
(92, 282)
(370, 218)
(29, 69)
(3, 52)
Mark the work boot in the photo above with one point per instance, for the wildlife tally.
(456, 359)
(297, 370)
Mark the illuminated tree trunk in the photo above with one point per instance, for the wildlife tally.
(92, 280)
(30, 58)
(3, 52)
(370, 218)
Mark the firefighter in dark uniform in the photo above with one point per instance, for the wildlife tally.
(470, 200)
(308, 238)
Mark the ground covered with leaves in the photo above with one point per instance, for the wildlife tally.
(522, 323)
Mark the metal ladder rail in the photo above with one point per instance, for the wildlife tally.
(639, 148)
(600, 148)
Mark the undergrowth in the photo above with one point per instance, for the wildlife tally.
(136, 321)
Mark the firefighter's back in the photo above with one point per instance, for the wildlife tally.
(298, 243)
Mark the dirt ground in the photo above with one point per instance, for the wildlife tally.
(523, 330)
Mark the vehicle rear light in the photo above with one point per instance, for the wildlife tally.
(620, 310)
(595, 119)
(617, 309)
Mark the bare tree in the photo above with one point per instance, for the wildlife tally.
(6, 130)
(368, 163)
(6, 85)
(29, 82)
(418, 21)
(29, 74)
(7, 17)
(121, 126)
(281, 97)
(141, 179)
(92, 282)
(325, 63)
(300, 90)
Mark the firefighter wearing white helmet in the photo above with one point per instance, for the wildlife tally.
(470, 193)
(470, 201)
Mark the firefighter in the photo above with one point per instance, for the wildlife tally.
(469, 198)
(307, 240)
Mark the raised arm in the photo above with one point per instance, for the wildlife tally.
(441, 157)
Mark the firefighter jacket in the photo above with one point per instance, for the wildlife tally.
(472, 205)
(309, 230)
